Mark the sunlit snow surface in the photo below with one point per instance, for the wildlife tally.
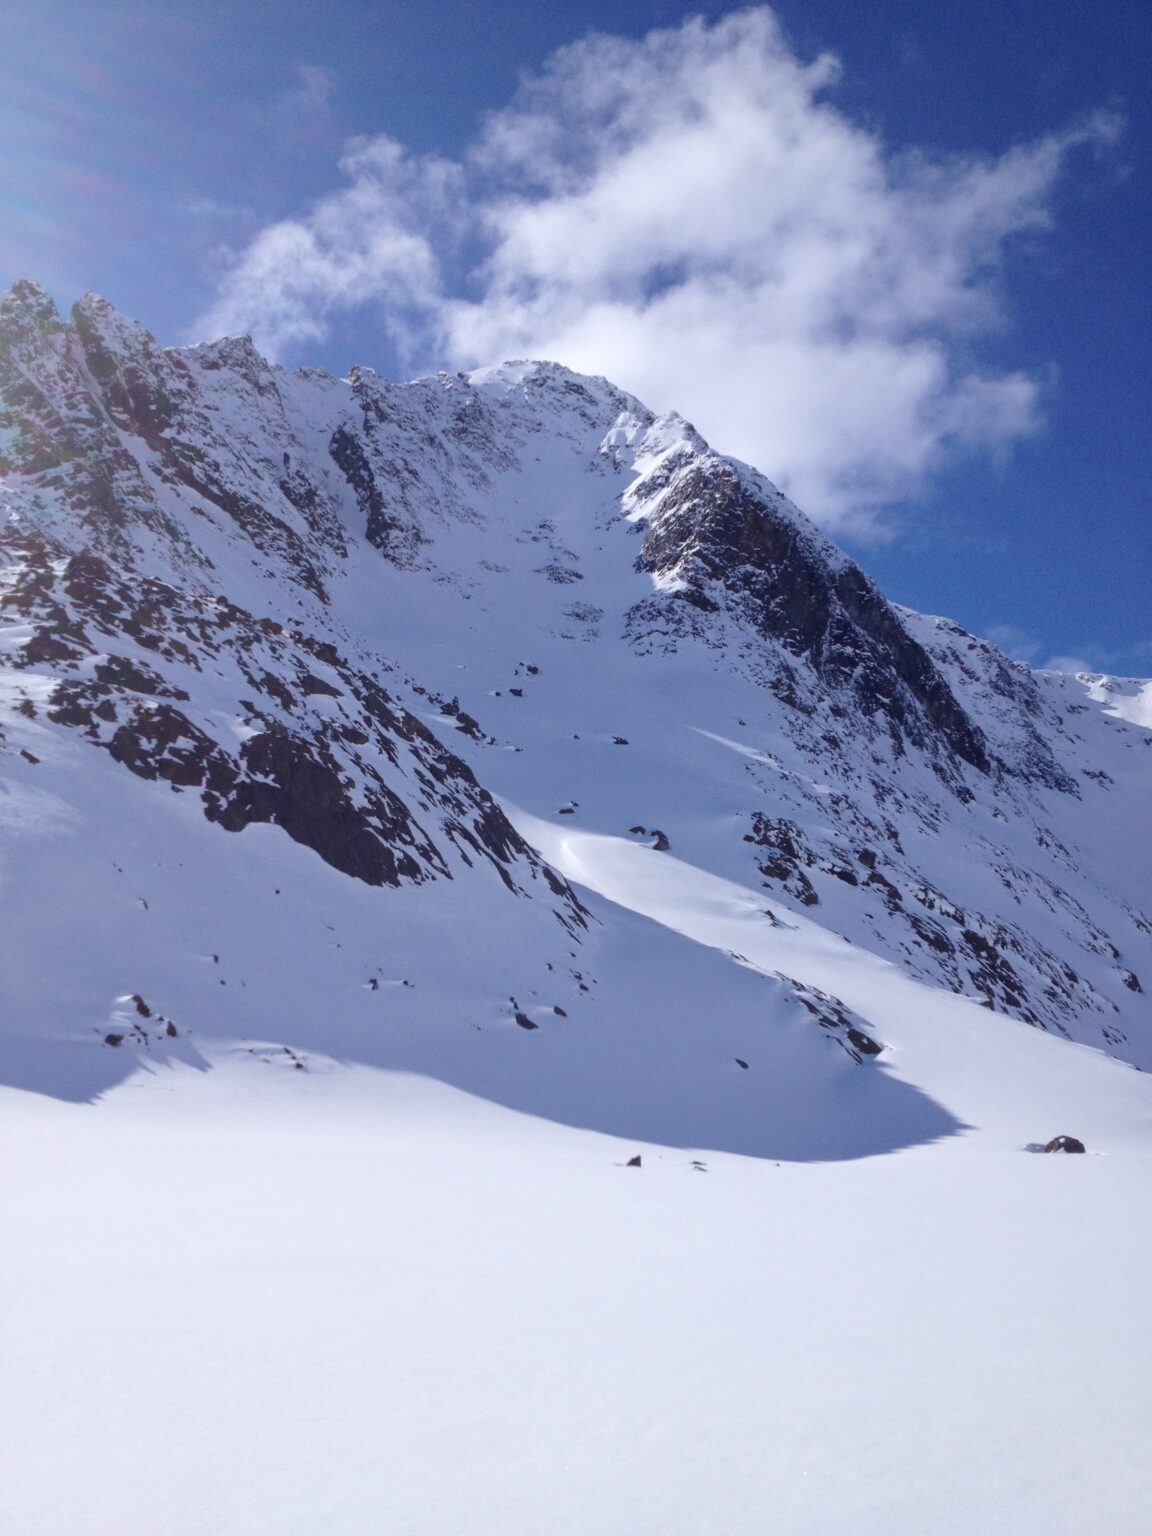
(354, 1248)
(1127, 698)
(244, 1296)
(364, 1304)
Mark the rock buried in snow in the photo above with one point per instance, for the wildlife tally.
(113, 1039)
(633, 1162)
(1064, 1144)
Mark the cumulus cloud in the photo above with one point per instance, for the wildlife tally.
(691, 215)
(376, 242)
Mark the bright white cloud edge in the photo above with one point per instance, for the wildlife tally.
(688, 215)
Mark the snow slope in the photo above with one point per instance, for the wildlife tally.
(359, 1303)
(416, 802)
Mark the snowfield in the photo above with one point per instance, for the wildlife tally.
(358, 1301)
(531, 993)
(241, 1295)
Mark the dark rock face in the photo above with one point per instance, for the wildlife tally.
(842, 1024)
(715, 532)
(783, 857)
(297, 785)
(131, 388)
(323, 780)
(381, 525)
(1064, 1144)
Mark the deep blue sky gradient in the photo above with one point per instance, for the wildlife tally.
(137, 140)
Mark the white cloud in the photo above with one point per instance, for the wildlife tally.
(1020, 645)
(1066, 664)
(369, 244)
(690, 215)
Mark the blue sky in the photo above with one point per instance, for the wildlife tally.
(896, 253)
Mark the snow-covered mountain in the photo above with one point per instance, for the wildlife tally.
(493, 730)
(373, 614)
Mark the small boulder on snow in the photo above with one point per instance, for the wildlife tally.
(1064, 1144)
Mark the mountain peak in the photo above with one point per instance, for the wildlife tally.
(30, 296)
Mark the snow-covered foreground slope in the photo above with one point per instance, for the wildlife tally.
(418, 801)
(245, 1294)
(360, 1302)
